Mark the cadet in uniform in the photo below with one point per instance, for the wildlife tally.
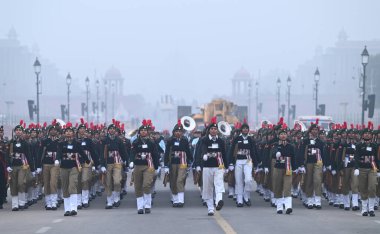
(177, 158)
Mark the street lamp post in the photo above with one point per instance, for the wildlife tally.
(278, 97)
(97, 101)
(316, 79)
(87, 94)
(257, 102)
(68, 82)
(365, 59)
(37, 70)
(289, 83)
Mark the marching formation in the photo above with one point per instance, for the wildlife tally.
(72, 165)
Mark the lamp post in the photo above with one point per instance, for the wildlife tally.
(278, 97)
(97, 101)
(365, 59)
(87, 94)
(68, 82)
(37, 70)
(316, 79)
(257, 102)
(289, 83)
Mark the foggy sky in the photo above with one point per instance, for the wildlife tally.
(166, 46)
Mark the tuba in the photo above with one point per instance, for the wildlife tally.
(224, 128)
(188, 123)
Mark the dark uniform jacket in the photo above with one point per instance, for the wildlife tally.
(144, 146)
(179, 145)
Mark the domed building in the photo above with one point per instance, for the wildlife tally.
(241, 82)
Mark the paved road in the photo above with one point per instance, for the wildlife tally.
(260, 218)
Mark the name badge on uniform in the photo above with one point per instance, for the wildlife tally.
(176, 143)
(312, 142)
(313, 151)
(83, 143)
(18, 145)
(353, 146)
(215, 146)
(369, 148)
(145, 146)
(245, 142)
(70, 146)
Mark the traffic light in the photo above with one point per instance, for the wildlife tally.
(31, 109)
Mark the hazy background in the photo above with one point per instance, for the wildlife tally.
(184, 47)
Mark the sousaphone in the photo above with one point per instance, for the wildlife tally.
(224, 128)
(188, 123)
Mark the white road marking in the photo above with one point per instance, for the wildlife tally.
(43, 229)
(57, 220)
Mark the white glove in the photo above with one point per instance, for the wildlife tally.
(198, 168)
(231, 167)
(56, 163)
(38, 171)
(258, 169)
(324, 169)
(278, 155)
(131, 165)
(301, 170)
(166, 170)
(266, 171)
(93, 168)
(356, 172)
(296, 171)
(328, 168)
(9, 169)
(103, 169)
(33, 174)
(333, 172)
(378, 174)
(158, 171)
(205, 157)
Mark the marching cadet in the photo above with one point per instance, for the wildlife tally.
(114, 156)
(34, 149)
(127, 146)
(212, 161)
(296, 178)
(177, 158)
(18, 167)
(50, 171)
(145, 160)
(312, 159)
(284, 154)
(70, 157)
(367, 163)
(87, 169)
(350, 174)
(242, 159)
(3, 172)
(267, 162)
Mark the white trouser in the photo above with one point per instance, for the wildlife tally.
(85, 196)
(364, 206)
(213, 178)
(14, 201)
(280, 203)
(288, 202)
(79, 197)
(175, 198)
(66, 204)
(346, 201)
(147, 200)
(210, 205)
(109, 200)
(21, 199)
(54, 200)
(140, 203)
(231, 190)
(116, 196)
(30, 194)
(317, 200)
(74, 201)
(243, 179)
(355, 200)
(371, 204)
(181, 197)
(48, 200)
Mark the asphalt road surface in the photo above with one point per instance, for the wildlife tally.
(259, 218)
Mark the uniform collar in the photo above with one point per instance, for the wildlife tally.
(211, 137)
